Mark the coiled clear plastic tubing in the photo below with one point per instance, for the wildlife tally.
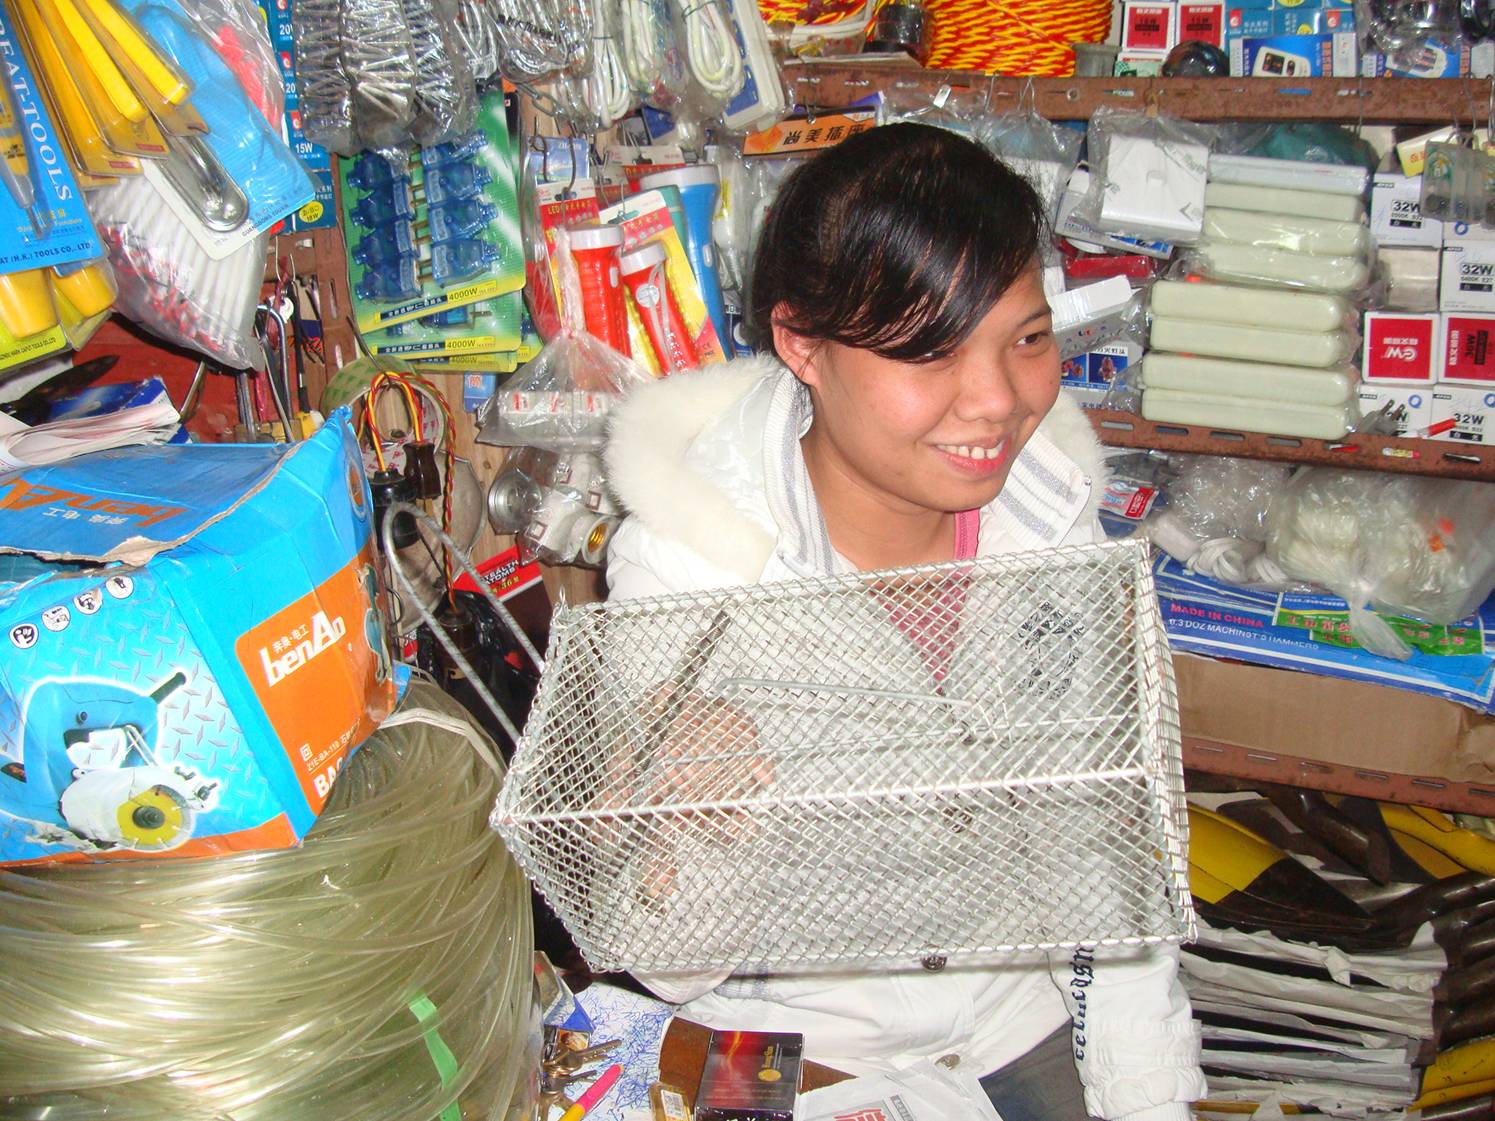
(379, 60)
(321, 983)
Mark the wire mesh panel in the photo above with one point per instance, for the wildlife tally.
(966, 759)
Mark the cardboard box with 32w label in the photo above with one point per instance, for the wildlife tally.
(191, 644)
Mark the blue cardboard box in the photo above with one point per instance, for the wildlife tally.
(191, 644)
(1312, 633)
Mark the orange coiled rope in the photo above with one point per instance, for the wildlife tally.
(990, 36)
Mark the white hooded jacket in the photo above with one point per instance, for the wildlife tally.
(707, 465)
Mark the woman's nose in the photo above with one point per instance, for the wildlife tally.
(987, 392)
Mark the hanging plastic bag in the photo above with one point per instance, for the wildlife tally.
(1040, 151)
(561, 399)
(445, 102)
(326, 95)
(960, 111)
(1390, 543)
(168, 283)
(1148, 175)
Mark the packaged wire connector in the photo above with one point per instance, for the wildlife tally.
(425, 235)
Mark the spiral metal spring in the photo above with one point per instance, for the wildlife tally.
(326, 96)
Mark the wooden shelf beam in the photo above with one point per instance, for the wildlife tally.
(1366, 453)
(835, 83)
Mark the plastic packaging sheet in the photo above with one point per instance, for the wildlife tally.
(560, 400)
(379, 972)
(445, 101)
(1403, 545)
(168, 283)
(1042, 152)
(1148, 175)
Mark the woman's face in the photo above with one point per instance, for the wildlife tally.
(940, 435)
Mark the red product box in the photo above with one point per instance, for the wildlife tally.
(1204, 22)
(1401, 348)
(1148, 27)
(1468, 349)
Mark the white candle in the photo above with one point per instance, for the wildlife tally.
(1243, 414)
(1283, 200)
(1252, 344)
(1299, 235)
(1254, 307)
(1223, 378)
(1224, 261)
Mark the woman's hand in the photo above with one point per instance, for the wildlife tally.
(697, 749)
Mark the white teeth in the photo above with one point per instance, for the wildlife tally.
(966, 452)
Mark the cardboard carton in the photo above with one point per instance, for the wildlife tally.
(191, 644)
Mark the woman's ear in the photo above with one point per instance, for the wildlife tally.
(795, 350)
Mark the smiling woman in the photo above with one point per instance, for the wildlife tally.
(904, 410)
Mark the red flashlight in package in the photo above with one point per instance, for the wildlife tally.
(644, 274)
(595, 250)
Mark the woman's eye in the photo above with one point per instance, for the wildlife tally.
(1035, 338)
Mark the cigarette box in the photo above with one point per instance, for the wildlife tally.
(1467, 353)
(1463, 414)
(1466, 279)
(1415, 402)
(1148, 28)
(1396, 213)
(1203, 22)
(750, 1076)
(1401, 348)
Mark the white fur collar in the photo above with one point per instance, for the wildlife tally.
(649, 435)
(652, 430)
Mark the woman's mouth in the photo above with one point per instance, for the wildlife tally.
(976, 459)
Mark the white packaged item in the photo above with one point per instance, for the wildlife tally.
(1463, 414)
(1256, 307)
(1296, 175)
(1284, 200)
(1224, 377)
(1078, 305)
(1154, 187)
(1456, 233)
(1319, 236)
(924, 1091)
(1401, 348)
(1398, 544)
(1245, 414)
(759, 103)
(1414, 403)
(1222, 260)
(1467, 277)
(1396, 213)
(1317, 349)
(1083, 234)
(1411, 278)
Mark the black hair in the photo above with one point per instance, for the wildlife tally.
(898, 241)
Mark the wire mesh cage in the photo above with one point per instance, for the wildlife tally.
(962, 760)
